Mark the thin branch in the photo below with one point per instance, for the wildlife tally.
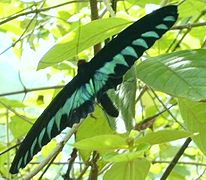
(54, 153)
(31, 90)
(175, 119)
(179, 162)
(70, 164)
(47, 167)
(94, 168)
(9, 149)
(175, 159)
(16, 113)
(148, 122)
(21, 36)
(109, 8)
(199, 177)
(188, 26)
(36, 11)
(143, 90)
(7, 138)
(188, 30)
(83, 171)
(94, 16)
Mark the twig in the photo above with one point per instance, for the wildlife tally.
(109, 8)
(175, 119)
(175, 159)
(94, 168)
(21, 36)
(47, 167)
(31, 90)
(10, 148)
(94, 16)
(83, 171)
(148, 122)
(188, 26)
(36, 11)
(71, 162)
(188, 30)
(55, 152)
(180, 162)
(199, 177)
(16, 113)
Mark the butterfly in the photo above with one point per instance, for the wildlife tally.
(94, 78)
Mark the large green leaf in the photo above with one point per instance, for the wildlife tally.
(194, 114)
(81, 38)
(163, 136)
(181, 74)
(94, 125)
(130, 170)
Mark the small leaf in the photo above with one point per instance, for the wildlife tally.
(130, 170)
(97, 125)
(122, 157)
(180, 74)
(102, 143)
(19, 127)
(163, 136)
(127, 97)
(81, 38)
(194, 114)
(11, 103)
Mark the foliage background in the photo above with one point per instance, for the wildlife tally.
(151, 115)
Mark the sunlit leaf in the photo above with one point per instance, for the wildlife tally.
(163, 136)
(180, 74)
(102, 143)
(93, 125)
(194, 114)
(130, 170)
(11, 103)
(19, 127)
(123, 156)
(81, 38)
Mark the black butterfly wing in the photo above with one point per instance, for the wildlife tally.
(112, 62)
(74, 101)
(103, 72)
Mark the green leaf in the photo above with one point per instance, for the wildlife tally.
(179, 173)
(194, 114)
(4, 166)
(163, 136)
(102, 143)
(180, 74)
(122, 157)
(131, 170)
(19, 127)
(11, 103)
(93, 125)
(81, 38)
(127, 97)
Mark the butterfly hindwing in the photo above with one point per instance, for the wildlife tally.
(67, 108)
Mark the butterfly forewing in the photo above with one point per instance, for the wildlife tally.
(121, 53)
